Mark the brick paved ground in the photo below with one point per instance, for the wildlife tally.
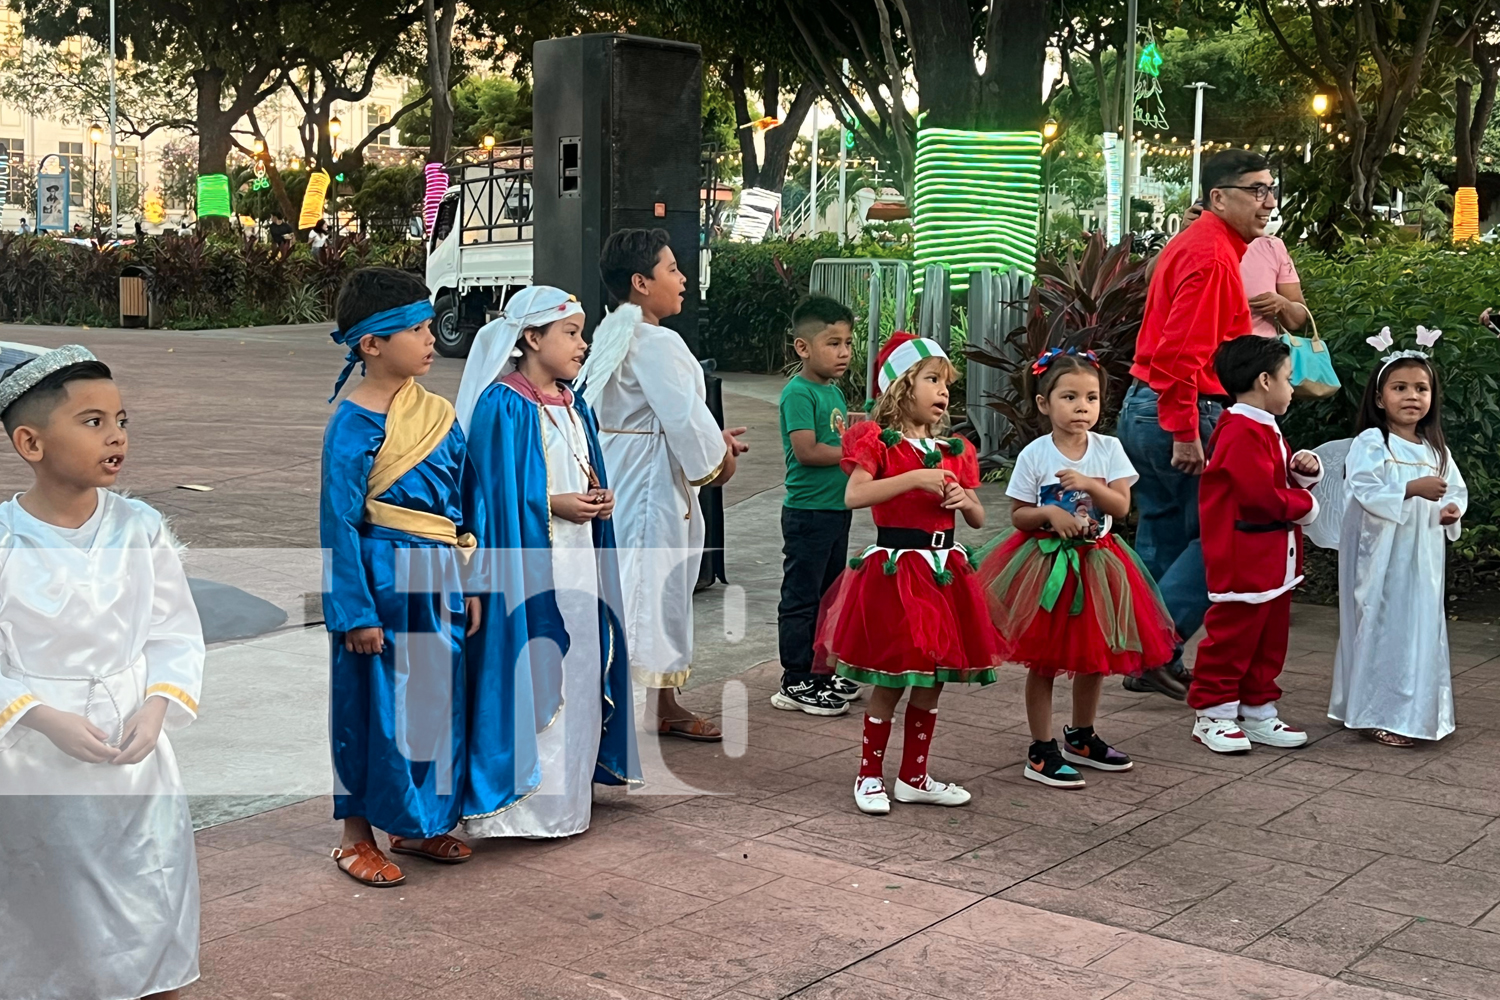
(1341, 871)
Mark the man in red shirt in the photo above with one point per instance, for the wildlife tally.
(1195, 302)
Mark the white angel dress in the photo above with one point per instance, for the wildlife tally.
(99, 899)
(661, 444)
(1391, 671)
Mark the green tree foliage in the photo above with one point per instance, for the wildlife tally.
(482, 105)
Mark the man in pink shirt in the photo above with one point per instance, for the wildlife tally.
(1195, 302)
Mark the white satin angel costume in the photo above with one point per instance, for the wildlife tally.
(98, 875)
(1391, 671)
(661, 444)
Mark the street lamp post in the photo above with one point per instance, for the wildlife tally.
(1131, 22)
(334, 128)
(1200, 87)
(114, 131)
(1319, 109)
(96, 136)
(1049, 132)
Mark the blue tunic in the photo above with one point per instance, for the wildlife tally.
(515, 675)
(397, 719)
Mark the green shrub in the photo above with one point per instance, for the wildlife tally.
(1401, 286)
(198, 281)
(755, 287)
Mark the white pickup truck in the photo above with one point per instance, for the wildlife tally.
(479, 251)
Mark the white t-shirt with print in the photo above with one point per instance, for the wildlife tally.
(1035, 477)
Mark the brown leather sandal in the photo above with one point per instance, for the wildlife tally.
(1386, 738)
(444, 849)
(370, 867)
(697, 728)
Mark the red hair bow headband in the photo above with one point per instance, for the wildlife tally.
(1040, 365)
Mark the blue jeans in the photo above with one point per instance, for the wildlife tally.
(1167, 536)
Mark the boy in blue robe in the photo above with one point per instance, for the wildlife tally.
(397, 515)
(555, 619)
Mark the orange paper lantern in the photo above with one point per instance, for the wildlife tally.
(1466, 215)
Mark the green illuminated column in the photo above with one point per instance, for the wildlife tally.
(977, 201)
(213, 195)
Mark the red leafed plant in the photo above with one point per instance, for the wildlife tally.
(1093, 302)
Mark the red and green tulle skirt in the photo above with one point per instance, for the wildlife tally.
(908, 621)
(1068, 606)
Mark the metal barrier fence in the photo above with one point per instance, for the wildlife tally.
(997, 305)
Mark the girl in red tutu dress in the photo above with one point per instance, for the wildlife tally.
(909, 612)
(1069, 595)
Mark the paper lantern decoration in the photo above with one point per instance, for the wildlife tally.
(213, 195)
(977, 201)
(437, 186)
(312, 200)
(1465, 215)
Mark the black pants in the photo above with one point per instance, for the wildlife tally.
(814, 545)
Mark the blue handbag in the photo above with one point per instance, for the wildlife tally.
(1313, 376)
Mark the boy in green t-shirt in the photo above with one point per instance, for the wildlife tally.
(814, 520)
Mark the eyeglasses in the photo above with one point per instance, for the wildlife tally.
(1260, 192)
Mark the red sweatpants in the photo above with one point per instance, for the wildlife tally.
(1243, 653)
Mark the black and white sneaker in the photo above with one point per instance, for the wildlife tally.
(815, 697)
(844, 688)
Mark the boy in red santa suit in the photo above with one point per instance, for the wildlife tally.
(1252, 502)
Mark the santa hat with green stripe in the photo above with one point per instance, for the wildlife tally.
(900, 354)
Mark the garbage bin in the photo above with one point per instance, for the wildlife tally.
(137, 303)
(711, 568)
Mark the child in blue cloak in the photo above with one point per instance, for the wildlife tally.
(535, 449)
(398, 514)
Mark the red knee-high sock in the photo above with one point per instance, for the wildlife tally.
(918, 745)
(872, 759)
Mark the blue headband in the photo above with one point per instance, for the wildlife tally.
(381, 324)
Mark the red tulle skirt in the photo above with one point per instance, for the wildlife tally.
(908, 623)
(1106, 615)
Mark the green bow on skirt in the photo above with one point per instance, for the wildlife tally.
(1065, 559)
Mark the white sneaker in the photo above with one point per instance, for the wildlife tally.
(933, 793)
(1273, 732)
(1220, 735)
(869, 795)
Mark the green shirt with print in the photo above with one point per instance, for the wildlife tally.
(808, 406)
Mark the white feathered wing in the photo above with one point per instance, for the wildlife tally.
(612, 340)
(1331, 495)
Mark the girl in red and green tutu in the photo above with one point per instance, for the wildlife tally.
(1069, 596)
(909, 612)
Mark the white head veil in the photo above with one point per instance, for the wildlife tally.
(491, 356)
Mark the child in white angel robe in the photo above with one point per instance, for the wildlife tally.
(661, 445)
(100, 896)
(1391, 672)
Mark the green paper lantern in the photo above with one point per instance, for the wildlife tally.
(977, 200)
(213, 195)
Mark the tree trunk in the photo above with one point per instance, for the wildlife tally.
(439, 72)
(214, 140)
(749, 163)
(942, 45)
(1463, 95)
(1015, 53)
(779, 140)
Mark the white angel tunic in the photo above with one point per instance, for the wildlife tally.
(99, 899)
(661, 444)
(1391, 671)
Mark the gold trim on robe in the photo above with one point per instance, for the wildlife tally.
(175, 693)
(16, 707)
(416, 424)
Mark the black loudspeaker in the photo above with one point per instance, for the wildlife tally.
(618, 123)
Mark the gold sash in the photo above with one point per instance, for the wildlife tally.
(415, 425)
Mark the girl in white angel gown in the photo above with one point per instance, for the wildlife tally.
(1404, 500)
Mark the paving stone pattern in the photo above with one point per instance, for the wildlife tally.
(1339, 871)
